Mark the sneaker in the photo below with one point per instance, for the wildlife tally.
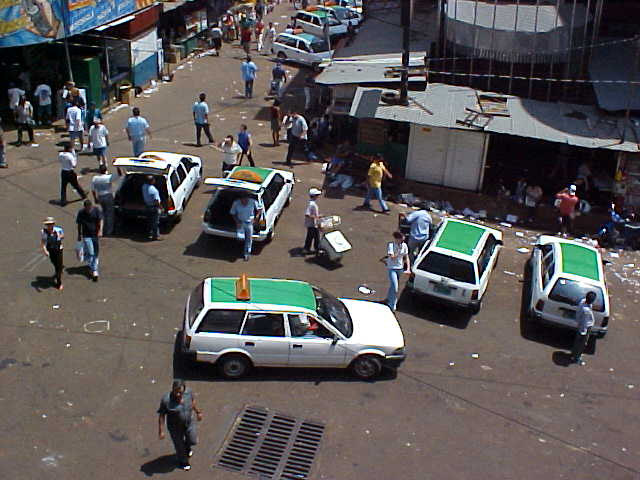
(246, 258)
(186, 467)
(190, 454)
(94, 277)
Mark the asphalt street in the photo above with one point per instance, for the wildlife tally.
(82, 371)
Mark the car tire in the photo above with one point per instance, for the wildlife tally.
(282, 55)
(270, 234)
(366, 367)
(234, 366)
(600, 335)
(475, 309)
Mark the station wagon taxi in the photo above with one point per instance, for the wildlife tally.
(241, 322)
(455, 265)
(302, 48)
(176, 175)
(562, 273)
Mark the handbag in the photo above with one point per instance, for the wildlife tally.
(80, 251)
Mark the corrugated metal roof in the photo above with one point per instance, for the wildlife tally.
(616, 63)
(445, 106)
(366, 69)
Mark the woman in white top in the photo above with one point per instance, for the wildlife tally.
(397, 262)
(24, 119)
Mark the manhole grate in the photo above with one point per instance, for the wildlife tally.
(270, 445)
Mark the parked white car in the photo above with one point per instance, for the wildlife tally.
(176, 174)
(562, 272)
(314, 22)
(302, 48)
(344, 14)
(454, 267)
(238, 323)
(270, 187)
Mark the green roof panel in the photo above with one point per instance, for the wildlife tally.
(250, 174)
(265, 290)
(460, 237)
(581, 261)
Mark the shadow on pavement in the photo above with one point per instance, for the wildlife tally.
(43, 283)
(163, 464)
(81, 271)
(422, 307)
(562, 359)
(207, 246)
(324, 262)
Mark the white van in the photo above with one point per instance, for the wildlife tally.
(314, 22)
(302, 48)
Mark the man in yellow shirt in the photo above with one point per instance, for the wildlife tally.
(377, 171)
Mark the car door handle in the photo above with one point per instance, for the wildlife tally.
(297, 345)
(249, 344)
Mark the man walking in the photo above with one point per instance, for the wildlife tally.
(270, 36)
(51, 244)
(75, 125)
(153, 204)
(102, 194)
(244, 211)
(137, 129)
(68, 163)
(249, 70)
(567, 208)
(201, 119)
(585, 321)
(176, 408)
(420, 225)
(89, 222)
(377, 170)
(297, 136)
(397, 262)
(279, 76)
(230, 152)
(245, 39)
(245, 143)
(43, 110)
(311, 221)
(14, 93)
(99, 140)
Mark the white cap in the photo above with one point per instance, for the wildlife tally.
(314, 192)
(572, 188)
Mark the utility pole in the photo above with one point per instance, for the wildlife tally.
(405, 20)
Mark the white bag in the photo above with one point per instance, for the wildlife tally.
(80, 251)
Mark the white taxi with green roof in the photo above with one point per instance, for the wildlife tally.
(241, 322)
(562, 273)
(271, 188)
(301, 48)
(455, 265)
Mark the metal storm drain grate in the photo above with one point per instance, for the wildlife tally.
(270, 445)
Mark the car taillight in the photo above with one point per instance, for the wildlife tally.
(540, 305)
(171, 207)
(187, 341)
(474, 294)
(605, 322)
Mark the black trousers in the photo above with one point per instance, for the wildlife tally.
(313, 237)
(183, 437)
(55, 255)
(21, 128)
(207, 131)
(294, 142)
(579, 344)
(69, 177)
(249, 157)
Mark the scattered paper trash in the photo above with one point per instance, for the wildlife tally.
(56, 307)
(486, 367)
(630, 265)
(614, 255)
(520, 234)
(35, 144)
(523, 250)
(67, 345)
(365, 290)
(505, 224)
(451, 364)
(261, 124)
(475, 355)
(97, 326)
(630, 386)
(507, 272)
(542, 440)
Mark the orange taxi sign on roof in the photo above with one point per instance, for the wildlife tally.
(243, 291)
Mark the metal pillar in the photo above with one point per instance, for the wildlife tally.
(533, 53)
(549, 83)
(405, 15)
(475, 42)
(515, 29)
(493, 29)
(567, 70)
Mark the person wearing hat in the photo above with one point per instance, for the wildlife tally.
(99, 140)
(566, 201)
(51, 243)
(311, 220)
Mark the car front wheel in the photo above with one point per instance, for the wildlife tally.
(282, 56)
(234, 366)
(367, 367)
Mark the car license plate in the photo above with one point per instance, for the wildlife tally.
(442, 289)
(569, 314)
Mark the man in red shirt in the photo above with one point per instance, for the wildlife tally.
(567, 207)
(245, 39)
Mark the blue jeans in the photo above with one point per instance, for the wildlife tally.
(246, 230)
(106, 203)
(154, 221)
(138, 145)
(91, 251)
(392, 294)
(376, 192)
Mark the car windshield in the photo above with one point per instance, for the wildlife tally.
(334, 311)
(319, 47)
(341, 14)
(195, 303)
(571, 292)
(450, 267)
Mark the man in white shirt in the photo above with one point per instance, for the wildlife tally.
(103, 195)
(298, 135)
(14, 93)
(244, 211)
(270, 36)
(397, 262)
(68, 163)
(311, 219)
(585, 321)
(99, 139)
(230, 152)
(75, 125)
(43, 110)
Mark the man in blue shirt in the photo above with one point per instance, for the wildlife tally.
(201, 119)
(137, 129)
(420, 222)
(244, 141)
(249, 70)
(151, 198)
(244, 211)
